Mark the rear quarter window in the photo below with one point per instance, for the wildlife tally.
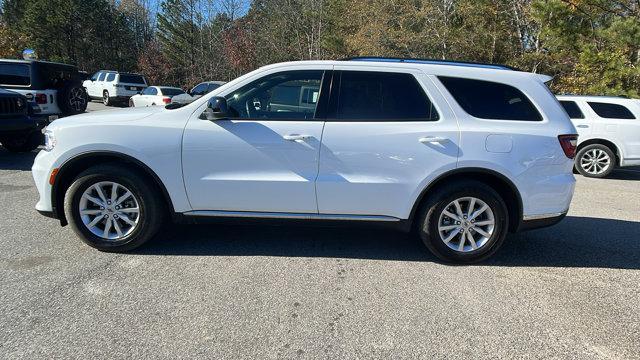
(572, 109)
(491, 100)
(611, 111)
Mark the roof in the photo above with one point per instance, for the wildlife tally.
(591, 96)
(435, 68)
(119, 72)
(22, 61)
(432, 62)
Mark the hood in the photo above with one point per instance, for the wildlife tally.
(106, 116)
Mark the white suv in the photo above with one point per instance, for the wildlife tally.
(113, 86)
(609, 129)
(462, 153)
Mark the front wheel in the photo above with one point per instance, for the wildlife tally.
(463, 222)
(595, 161)
(113, 208)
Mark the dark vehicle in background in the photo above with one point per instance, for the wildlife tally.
(56, 88)
(20, 122)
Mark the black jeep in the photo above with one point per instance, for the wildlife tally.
(56, 88)
(20, 122)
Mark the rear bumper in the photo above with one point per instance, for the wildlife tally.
(540, 221)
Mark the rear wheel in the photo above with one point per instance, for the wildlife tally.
(463, 222)
(106, 100)
(22, 142)
(595, 161)
(113, 208)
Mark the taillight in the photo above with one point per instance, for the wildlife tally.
(569, 144)
(166, 100)
(41, 98)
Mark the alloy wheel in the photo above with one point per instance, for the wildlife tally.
(595, 161)
(109, 210)
(466, 224)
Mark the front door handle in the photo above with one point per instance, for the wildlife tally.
(433, 139)
(296, 137)
(583, 126)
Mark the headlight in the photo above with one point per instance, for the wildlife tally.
(49, 140)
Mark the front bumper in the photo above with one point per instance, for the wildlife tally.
(41, 170)
(540, 221)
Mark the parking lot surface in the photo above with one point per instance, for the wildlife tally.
(268, 292)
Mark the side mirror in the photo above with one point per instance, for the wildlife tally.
(216, 109)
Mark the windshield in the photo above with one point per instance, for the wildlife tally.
(132, 79)
(15, 74)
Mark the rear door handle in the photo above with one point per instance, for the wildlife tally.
(296, 137)
(583, 126)
(433, 139)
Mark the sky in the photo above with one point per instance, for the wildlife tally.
(243, 4)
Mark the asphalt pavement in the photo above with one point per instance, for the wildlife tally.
(269, 292)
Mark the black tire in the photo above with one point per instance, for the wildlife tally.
(23, 142)
(434, 206)
(151, 207)
(106, 100)
(585, 153)
(72, 99)
(131, 104)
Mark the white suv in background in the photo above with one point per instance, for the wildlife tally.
(462, 153)
(113, 86)
(609, 129)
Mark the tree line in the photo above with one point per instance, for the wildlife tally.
(589, 46)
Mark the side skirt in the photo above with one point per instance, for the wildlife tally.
(275, 218)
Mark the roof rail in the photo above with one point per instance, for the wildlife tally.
(431, 62)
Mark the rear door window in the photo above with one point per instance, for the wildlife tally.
(381, 96)
(611, 111)
(111, 77)
(15, 74)
(491, 100)
(572, 109)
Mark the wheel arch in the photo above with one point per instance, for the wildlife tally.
(74, 166)
(608, 143)
(499, 182)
